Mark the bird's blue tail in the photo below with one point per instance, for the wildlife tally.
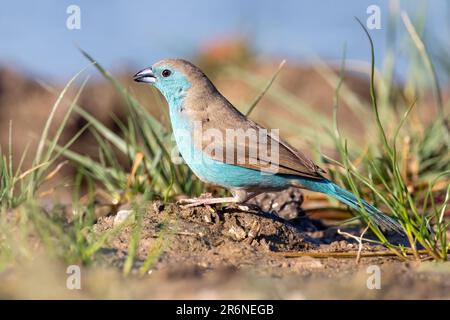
(328, 187)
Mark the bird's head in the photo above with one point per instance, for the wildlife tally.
(173, 78)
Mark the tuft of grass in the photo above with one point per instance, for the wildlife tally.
(59, 233)
(381, 174)
(17, 186)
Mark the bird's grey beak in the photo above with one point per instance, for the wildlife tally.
(146, 76)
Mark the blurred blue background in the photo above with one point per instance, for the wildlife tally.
(34, 37)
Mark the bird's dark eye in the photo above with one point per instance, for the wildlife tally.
(166, 73)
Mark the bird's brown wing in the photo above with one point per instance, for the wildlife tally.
(257, 154)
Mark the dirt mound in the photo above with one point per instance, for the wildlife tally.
(227, 253)
(210, 238)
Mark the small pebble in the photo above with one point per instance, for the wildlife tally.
(121, 216)
(237, 233)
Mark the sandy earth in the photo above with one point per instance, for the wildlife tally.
(214, 253)
(227, 253)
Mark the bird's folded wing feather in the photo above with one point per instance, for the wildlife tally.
(265, 153)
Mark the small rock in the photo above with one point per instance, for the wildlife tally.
(207, 218)
(121, 216)
(285, 204)
(243, 208)
(237, 233)
(254, 231)
(264, 245)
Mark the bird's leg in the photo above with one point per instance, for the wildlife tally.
(239, 196)
(199, 201)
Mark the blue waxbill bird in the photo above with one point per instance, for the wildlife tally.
(194, 100)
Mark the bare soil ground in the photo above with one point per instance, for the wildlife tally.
(213, 253)
(228, 253)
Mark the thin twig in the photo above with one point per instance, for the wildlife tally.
(343, 254)
(358, 239)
